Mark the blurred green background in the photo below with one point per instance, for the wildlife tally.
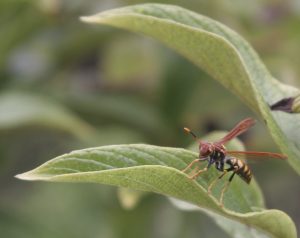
(67, 85)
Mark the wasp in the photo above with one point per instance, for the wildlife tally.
(215, 153)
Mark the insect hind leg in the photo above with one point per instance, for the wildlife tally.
(215, 180)
(225, 189)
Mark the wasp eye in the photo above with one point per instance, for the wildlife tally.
(205, 152)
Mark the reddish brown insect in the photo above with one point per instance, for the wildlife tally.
(216, 153)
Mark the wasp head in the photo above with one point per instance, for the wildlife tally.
(205, 149)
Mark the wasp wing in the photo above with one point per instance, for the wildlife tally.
(255, 155)
(237, 130)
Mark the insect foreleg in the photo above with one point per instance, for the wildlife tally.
(192, 163)
(198, 173)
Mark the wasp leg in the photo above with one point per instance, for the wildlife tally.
(195, 170)
(198, 173)
(191, 164)
(225, 189)
(221, 176)
(214, 182)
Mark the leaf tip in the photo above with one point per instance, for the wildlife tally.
(87, 19)
(28, 176)
(22, 176)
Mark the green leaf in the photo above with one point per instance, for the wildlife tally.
(157, 169)
(19, 109)
(223, 54)
(233, 228)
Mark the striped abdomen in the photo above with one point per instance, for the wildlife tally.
(241, 169)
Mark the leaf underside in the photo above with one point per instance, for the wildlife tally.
(157, 169)
(223, 54)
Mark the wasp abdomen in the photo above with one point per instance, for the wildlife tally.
(241, 169)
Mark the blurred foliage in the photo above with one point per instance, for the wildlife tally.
(123, 89)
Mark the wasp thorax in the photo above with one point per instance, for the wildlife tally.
(205, 149)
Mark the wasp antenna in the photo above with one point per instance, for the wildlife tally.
(187, 130)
